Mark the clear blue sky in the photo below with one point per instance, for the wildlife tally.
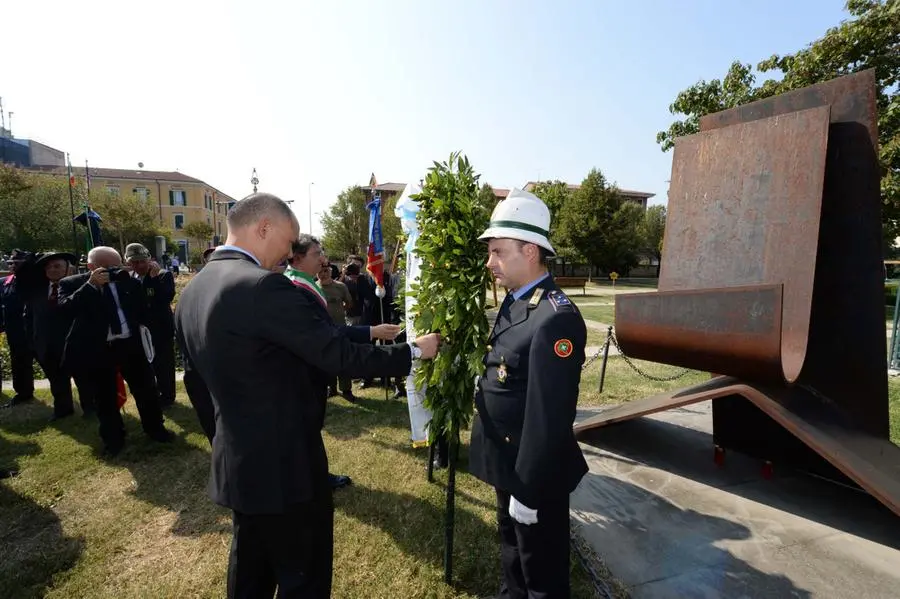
(328, 92)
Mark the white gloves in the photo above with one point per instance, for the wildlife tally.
(521, 513)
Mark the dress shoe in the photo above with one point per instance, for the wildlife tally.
(338, 480)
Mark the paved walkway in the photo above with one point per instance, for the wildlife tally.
(669, 523)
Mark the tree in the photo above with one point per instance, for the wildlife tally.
(652, 231)
(600, 225)
(200, 232)
(556, 195)
(346, 224)
(35, 212)
(487, 199)
(127, 217)
(870, 39)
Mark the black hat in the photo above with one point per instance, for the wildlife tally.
(20, 255)
(47, 257)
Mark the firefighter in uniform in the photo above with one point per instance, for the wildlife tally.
(522, 439)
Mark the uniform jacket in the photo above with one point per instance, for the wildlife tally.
(44, 325)
(159, 291)
(90, 308)
(257, 343)
(522, 438)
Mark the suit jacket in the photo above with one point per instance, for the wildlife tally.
(89, 309)
(258, 344)
(372, 311)
(522, 438)
(12, 312)
(159, 291)
(45, 326)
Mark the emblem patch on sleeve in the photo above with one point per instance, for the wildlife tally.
(563, 348)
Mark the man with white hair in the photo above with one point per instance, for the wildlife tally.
(522, 440)
(108, 308)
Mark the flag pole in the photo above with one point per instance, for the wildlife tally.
(72, 208)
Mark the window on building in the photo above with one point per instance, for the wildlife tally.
(112, 189)
(177, 197)
(179, 221)
(142, 193)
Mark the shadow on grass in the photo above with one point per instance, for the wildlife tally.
(33, 547)
(416, 525)
(169, 475)
(345, 421)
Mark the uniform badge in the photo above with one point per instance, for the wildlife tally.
(563, 348)
(151, 292)
(559, 299)
(536, 298)
(501, 372)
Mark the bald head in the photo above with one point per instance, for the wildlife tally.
(256, 207)
(263, 225)
(103, 257)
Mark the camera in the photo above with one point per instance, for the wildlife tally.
(117, 272)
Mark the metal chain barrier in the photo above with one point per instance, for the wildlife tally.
(611, 338)
(637, 369)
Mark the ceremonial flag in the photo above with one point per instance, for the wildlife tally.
(91, 220)
(375, 255)
(406, 210)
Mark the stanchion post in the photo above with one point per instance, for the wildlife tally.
(606, 343)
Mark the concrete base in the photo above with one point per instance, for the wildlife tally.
(669, 522)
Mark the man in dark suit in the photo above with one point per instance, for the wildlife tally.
(49, 324)
(259, 347)
(158, 286)
(12, 322)
(522, 440)
(108, 310)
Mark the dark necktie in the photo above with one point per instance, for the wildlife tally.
(506, 305)
(54, 294)
(112, 309)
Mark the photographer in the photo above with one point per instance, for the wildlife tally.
(108, 308)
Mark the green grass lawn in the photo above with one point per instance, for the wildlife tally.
(141, 525)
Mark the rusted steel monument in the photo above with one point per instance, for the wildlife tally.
(772, 278)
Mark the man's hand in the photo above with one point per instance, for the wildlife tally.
(521, 513)
(385, 332)
(154, 269)
(99, 277)
(429, 345)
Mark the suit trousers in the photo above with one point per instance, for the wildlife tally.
(534, 558)
(60, 382)
(164, 365)
(99, 379)
(21, 359)
(291, 552)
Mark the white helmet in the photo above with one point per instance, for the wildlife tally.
(521, 216)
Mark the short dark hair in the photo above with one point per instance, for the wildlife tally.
(303, 243)
(335, 272)
(354, 257)
(543, 253)
(351, 269)
(255, 207)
